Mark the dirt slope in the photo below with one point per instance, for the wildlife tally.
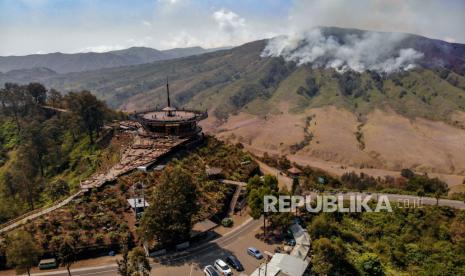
(386, 142)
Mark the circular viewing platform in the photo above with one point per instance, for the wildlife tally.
(171, 122)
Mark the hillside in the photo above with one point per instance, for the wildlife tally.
(65, 63)
(400, 107)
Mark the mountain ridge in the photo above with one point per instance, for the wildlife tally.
(77, 62)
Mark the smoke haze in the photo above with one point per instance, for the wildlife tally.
(358, 52)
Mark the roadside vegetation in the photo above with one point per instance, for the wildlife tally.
(408, 241)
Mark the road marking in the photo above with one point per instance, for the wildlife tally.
(97, 272)
(192, 268)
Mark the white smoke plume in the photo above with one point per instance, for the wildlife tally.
(358, 52)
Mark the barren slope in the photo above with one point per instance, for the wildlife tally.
(388, 141)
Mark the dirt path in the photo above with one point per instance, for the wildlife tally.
(283, 180)
(455, 182)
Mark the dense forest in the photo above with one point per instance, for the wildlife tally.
(48, 143)
(411, 241)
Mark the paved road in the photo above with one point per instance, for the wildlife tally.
(409, 201)
(193, 261)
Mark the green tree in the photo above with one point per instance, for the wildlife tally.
(253, 183)
(295, 186)
(22, 252)
(54, 98)
(169, 216)
(67, 253)
(36, 144)
(327, 256)
(255, 201)
(369, 264)
(138, 264)
(12, 97)
(38, 92)
(89, 109)
(57, 189)
(123, 264)
(257, 190)
(23, 176)
(440, 188)
(407, 173)
(323, 226)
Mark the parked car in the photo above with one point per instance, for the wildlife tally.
(48, 264)
(210, 271)
(234, 262)
(254, 252)
(222, 267)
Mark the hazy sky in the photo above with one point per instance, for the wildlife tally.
(44, 26)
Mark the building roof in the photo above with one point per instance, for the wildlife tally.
(159, 167)
(202, 227)
(302, 241)
(282, 264)
(140, 202)
(177, 115)
(169, 108)
(213, 171)
(46, 261)
(294, 170)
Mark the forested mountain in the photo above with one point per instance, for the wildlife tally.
(65, 63)
(333, 94)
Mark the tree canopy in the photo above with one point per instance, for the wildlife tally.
(22, 252)
(168, 219)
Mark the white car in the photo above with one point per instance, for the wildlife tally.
(210, 271)
(222, 267)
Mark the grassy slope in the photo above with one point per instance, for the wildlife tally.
(80, 160)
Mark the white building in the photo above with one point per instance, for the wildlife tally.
(294, 264)
(138, 205)
(282, 265)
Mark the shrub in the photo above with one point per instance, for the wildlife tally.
(227, 222)
(99, 238)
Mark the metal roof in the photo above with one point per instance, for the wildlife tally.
(140, 202)
(282, 264)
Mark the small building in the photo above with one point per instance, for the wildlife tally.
(282, 264)
(213, 172)
(202, 228)
(294, 172)
(302, 241)
(138, 205)
(159, 168)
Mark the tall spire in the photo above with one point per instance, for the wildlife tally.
(168, 92)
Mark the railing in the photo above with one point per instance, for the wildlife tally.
(199, 115)
(16, 222)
